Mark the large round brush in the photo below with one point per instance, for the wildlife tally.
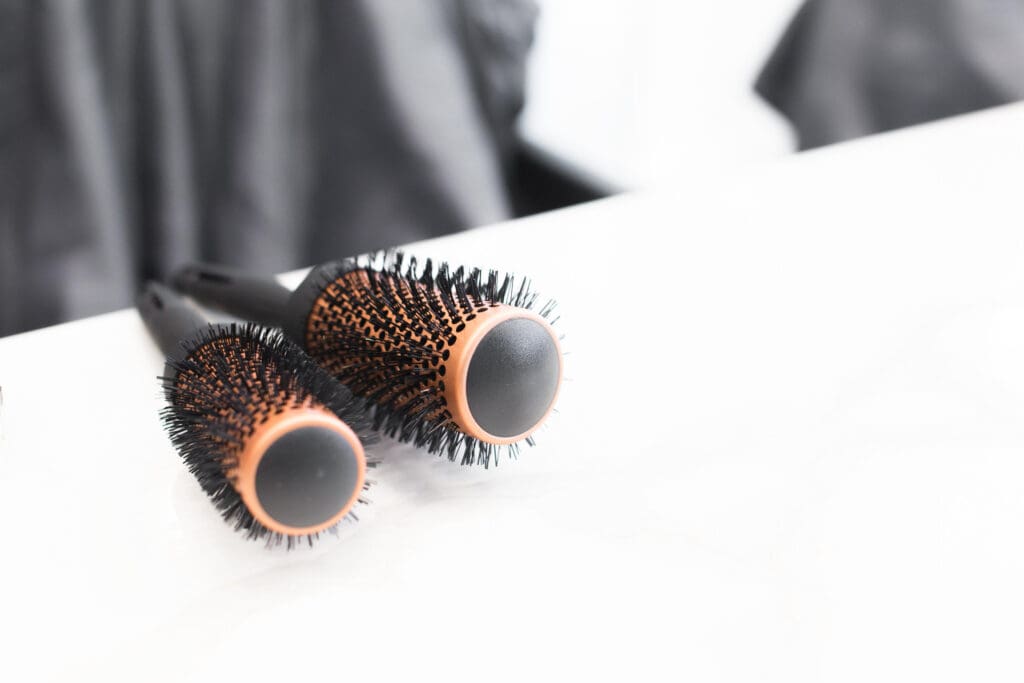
(274, 440)
(460, 363)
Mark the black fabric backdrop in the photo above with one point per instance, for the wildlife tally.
(138, 134)
(847, 68)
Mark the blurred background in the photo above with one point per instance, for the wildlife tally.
(136, 135)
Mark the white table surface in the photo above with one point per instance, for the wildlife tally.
(791, 449)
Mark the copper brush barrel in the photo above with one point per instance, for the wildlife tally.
(275, 441)
(462, 364)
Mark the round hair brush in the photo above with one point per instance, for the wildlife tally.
(460, 363)
(274, 440)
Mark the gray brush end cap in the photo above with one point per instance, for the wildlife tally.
(513, 377)
(306, 476)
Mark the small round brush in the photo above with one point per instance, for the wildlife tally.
(458, 362)
(274, 440)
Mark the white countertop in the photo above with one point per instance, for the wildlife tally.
(791, 448)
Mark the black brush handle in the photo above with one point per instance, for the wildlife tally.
(169, 318)
(250, 297)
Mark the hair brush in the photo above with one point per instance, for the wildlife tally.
(462, 364)
(274, 440)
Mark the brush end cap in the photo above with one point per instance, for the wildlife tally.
(513, 377)
(309, 477)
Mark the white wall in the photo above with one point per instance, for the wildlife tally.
(642, 92)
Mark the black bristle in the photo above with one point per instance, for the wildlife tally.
(233, 378)
(411, 312)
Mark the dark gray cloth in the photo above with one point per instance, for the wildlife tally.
(138, 134)
(847, 68)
